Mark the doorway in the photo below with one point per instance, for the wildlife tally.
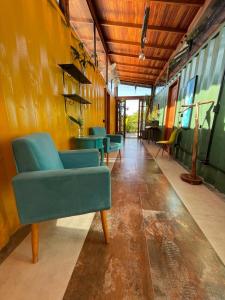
(132, 118)
(171, 109)
(107, 111)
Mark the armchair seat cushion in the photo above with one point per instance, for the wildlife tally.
(114, 147)
(112, 142)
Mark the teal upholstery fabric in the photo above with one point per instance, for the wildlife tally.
(54, 184)
(97, 131)
(115, 138)
(45, 195)
(79, 158)
(112, 142)
(36, 152)
(114, 147)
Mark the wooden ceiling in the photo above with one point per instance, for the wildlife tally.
(119, 24)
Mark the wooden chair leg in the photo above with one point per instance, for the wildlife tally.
(107, 159)
(163, 149)
(120, 154)
(169, 152)
(35, 241)
(158, 151)
(105, 225)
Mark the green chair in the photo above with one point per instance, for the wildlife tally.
(112, 142)
(166, 145)
(53, 184)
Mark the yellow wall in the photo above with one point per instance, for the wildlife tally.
(34, 39)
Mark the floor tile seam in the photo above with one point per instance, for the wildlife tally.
(209, 215)
(146, 247)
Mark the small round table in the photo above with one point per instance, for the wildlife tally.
(90, 142)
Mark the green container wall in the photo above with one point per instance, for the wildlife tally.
(208, 64)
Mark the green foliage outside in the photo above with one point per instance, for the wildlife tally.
(132, 123)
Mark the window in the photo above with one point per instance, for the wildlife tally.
(64, 7)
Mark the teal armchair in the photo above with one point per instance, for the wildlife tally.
(112, 142)
(53, 184)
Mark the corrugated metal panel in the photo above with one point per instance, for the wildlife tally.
(208, 64)
(33, 42)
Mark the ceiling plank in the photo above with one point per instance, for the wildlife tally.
(89, 39)
(139, 26)
(136, 56)
(127, 82)
(138, 66)
(180, 2)
(140, 71)
(147, 45)
(134, 72)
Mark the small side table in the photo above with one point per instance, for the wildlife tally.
(90, 142)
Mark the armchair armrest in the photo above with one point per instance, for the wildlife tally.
(79, 158)
(45, 195)
(115, 138)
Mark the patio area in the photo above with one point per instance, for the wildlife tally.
(112, 150)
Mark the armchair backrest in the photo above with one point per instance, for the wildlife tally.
(173, 136)
(36, 152)
(97, 131)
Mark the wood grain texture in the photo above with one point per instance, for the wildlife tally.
(122, 21)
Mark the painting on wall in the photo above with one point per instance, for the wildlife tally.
(189, 99)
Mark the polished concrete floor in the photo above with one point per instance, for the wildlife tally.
(156, 251)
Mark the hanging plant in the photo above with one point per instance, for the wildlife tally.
(82, 57)
(79, 121)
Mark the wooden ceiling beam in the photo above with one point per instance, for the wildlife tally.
(136, 82)
(139, 26)
(134, 72)
(136, 56)
(81, 20)
(97, 24)
(137, 78)
(138, 66)
(198, 3)
(127, 82)
(130, 98)
(89, 39)
(147, 45)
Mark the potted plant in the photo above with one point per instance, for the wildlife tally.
(80, 122)
(82, 57)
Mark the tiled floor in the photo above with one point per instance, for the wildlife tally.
(182, 263)
(207, 207)
(148, 218)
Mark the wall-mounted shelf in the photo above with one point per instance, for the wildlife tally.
(73, 71)
(77, 98)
